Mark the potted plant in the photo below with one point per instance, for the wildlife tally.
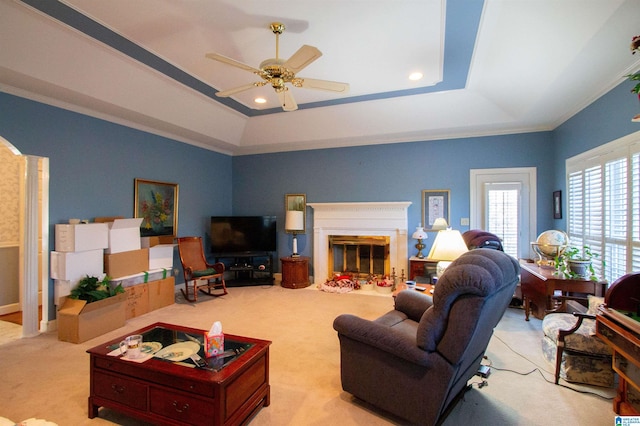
(93, 308)
(577, 262)
(91, 289)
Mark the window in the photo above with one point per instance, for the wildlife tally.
(502, 214)
(603, 205)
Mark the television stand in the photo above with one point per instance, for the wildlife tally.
(245, 269)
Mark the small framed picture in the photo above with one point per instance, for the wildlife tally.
(557, 204)
(435, 205)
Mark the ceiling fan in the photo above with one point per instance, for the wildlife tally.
(277, 72)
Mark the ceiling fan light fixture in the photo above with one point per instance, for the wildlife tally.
(260, 100)
(278, 72)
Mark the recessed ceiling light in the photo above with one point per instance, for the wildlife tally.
(415, 76)
(260, 100)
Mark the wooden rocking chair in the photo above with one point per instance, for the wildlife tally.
(198, 274)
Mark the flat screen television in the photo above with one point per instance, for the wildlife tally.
(242, 234)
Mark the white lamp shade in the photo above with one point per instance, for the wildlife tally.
(294, 220)
(448, 245)
(440, 223)
(419, 234)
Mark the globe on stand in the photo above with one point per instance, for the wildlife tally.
(549, 245)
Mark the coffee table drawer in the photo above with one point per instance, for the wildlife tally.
(124, 391)
(181, 406)
(241, 389)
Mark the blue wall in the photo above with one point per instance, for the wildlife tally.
(605, 120)
(93, 164)
(393, 172)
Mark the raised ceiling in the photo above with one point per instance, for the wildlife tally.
(490, 67)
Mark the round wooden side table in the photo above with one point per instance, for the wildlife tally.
(295, 272)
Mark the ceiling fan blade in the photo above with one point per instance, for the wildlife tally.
(303, 57)
(232, 62)
(226, 93)
(331, 86)
(287, 101)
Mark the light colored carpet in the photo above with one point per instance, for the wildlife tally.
(45, 378)
(9, 332)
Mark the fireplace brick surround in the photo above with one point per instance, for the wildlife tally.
(360, 219)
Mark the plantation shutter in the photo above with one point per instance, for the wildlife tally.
(603, 200)
(635, 208)
(616, 217)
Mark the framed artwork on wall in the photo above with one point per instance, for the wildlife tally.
(557, 204)
(296, 203)
(157, 203)
(435, 205)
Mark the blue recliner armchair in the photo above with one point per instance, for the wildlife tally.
(415, 360)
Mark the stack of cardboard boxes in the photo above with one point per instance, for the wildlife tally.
(143, 267)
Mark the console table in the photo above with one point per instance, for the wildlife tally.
(421, 267)
(230, 392)
(295, 272)
(539, 286)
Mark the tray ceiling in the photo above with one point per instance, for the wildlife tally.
(490, 67)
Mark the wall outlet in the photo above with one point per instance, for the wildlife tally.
(464, 221)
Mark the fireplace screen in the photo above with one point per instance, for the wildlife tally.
(359, 256)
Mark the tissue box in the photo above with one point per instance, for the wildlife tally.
(213, 345)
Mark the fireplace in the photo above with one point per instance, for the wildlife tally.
(359, 256)
(372, 222)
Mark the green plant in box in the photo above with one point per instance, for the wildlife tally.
(92, 289)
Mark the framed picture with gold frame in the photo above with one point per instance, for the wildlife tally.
(157, 203)
(296, 202)
(435, 205)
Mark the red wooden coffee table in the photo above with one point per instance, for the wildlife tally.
(230, 392)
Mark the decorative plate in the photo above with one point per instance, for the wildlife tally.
(178, 351)
(150, 348)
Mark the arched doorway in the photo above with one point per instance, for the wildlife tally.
(24, 236)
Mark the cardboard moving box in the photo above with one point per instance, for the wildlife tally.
(79, 321)
(73, 266)
(161, 256)
(137, 300)
(147, 297)
(162, 293)
(126, 263)
(124, 235)
(82, 237)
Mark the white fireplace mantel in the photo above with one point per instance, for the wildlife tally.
(360, 219)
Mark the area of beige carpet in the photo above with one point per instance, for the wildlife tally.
(9, 332)
(45, 378)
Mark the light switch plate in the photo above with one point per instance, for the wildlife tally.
(464, 221)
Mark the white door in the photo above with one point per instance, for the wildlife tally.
(503, 202)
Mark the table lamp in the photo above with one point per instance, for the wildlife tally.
(447, 247)
(419, 235)
(294, 222)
